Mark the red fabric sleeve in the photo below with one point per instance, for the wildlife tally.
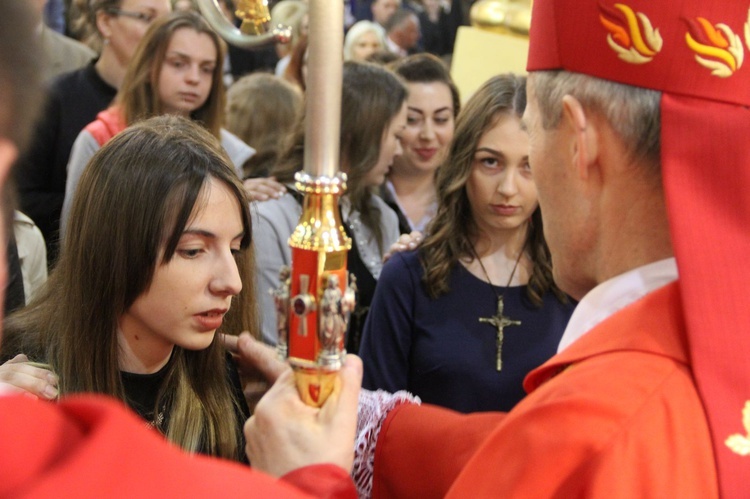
(323, 481)
(422, 449)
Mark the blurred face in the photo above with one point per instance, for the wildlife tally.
(382, 10)
(390, 147)
(186, 75)
(429, 128)
(500, 189)
(123, 31)
(189, 295)
(411, 32)
(368, 43)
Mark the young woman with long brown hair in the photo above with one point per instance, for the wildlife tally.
(175, 70)
(153, 268)
(460, 321)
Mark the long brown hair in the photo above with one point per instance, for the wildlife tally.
(139, 96)
(453, 229)
(134, 201)
(372, 96)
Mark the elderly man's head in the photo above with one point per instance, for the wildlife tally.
(403, 29)
(382, 10)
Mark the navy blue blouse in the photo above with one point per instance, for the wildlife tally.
(437, 348)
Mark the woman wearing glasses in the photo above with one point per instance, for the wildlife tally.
(114, 28)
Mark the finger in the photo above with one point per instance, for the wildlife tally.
(343, 403)
(18, 359)
(230, 342)
(28, 379)
(256, 355)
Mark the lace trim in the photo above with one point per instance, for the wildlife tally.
(374, 407)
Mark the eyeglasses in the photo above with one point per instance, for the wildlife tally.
(139, 16)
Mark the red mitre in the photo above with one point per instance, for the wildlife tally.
(697, 52)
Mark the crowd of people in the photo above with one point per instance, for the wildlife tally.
(533, 264)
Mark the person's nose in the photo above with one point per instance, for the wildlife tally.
(428, 130)
(193, 74)
(226, 280)
(508, 185)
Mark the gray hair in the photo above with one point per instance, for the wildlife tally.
(632, 112)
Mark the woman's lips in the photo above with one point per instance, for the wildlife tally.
(210, 320)
(505, 209)
(189, 96)
(426, 154)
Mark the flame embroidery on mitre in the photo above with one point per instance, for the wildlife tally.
(716, 47)
(630, 34)
(740, 444)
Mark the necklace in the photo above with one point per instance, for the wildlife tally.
(498, 320)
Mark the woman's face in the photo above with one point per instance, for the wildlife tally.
(189, 295)
(367, 43)
(123, 31)
(500, 189)
(390, 147)
(429, 128)
(187, 72)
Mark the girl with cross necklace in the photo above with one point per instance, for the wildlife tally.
(461, 321)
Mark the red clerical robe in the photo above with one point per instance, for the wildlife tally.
(615, 415)
(92, 447)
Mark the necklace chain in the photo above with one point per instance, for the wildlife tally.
(487, 275)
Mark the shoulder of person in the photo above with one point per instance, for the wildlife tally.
(281, 208)
(238, 151)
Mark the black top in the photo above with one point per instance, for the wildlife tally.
(142, 390)
(74, 99)
(14, 292)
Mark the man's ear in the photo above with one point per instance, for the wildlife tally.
(584, 144)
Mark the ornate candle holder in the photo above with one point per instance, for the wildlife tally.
(315, 302)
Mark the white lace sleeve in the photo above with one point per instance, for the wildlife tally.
(372, 411)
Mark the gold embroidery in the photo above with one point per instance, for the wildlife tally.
(719, 50)
(740, 444)
(636, 42)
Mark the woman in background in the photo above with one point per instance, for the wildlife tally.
(462, 320)
(363, 39)
(262, 110)
(113, 28)
(373, 117)
(433, 105)
(159, 247)
(176, 70)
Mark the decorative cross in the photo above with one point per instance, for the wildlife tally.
(303, 304)
(499, 321)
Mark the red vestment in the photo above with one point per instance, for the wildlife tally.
(615, 415)
(92, 447)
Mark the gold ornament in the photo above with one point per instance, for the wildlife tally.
(502, 16)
